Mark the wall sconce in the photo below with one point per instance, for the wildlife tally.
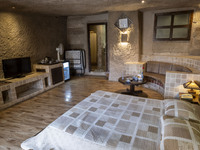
(192, 85)
(123, 23)
(124, 38)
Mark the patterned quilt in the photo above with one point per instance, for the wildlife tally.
(104, 120)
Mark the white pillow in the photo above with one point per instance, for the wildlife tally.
(182, 109)
(178, 134)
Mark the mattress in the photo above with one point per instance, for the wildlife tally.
(104, 120)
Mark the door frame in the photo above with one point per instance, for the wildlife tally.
(106, 48)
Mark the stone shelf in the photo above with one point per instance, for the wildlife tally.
(16, 90)
(27, 92)
(29, 88)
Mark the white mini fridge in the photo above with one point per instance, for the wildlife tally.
(66, 70)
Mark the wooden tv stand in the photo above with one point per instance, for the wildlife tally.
(19, 89)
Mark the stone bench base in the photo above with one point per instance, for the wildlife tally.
(154, 84)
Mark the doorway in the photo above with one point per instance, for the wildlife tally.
(97, 41)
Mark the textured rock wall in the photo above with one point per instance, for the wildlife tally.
(119, 53)
(195, 36)
(23, 35)
(181, 48)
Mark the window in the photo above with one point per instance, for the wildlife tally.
(173, 26)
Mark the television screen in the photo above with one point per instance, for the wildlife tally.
(10, 67)
(16, 67)
(25, 65)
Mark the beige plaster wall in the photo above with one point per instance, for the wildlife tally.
(119, 54)
(77, 37)
(23, 35)
(181, 48)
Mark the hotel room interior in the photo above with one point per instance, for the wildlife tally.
(99, 75)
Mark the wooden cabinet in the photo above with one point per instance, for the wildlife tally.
(57, 75)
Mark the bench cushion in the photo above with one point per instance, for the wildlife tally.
(180, 68)
(162, 67)
(152, 66)
(165, 67)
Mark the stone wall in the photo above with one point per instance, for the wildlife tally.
(134, 68)
(77, 37)
(33, 35)
(174, 83)
(178, 48)
(118, 52)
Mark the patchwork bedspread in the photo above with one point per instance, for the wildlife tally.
(104, 120)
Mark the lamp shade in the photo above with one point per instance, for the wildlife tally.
(192, 85)
(124, 38)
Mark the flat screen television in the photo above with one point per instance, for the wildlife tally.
(16, 67)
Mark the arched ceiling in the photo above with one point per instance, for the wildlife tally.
(86, 7)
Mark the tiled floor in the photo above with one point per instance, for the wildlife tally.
(26, 119)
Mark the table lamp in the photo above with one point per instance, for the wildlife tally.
(192, 85)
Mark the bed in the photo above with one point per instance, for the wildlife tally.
(107, 121)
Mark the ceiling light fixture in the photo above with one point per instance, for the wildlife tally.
(142, 1)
